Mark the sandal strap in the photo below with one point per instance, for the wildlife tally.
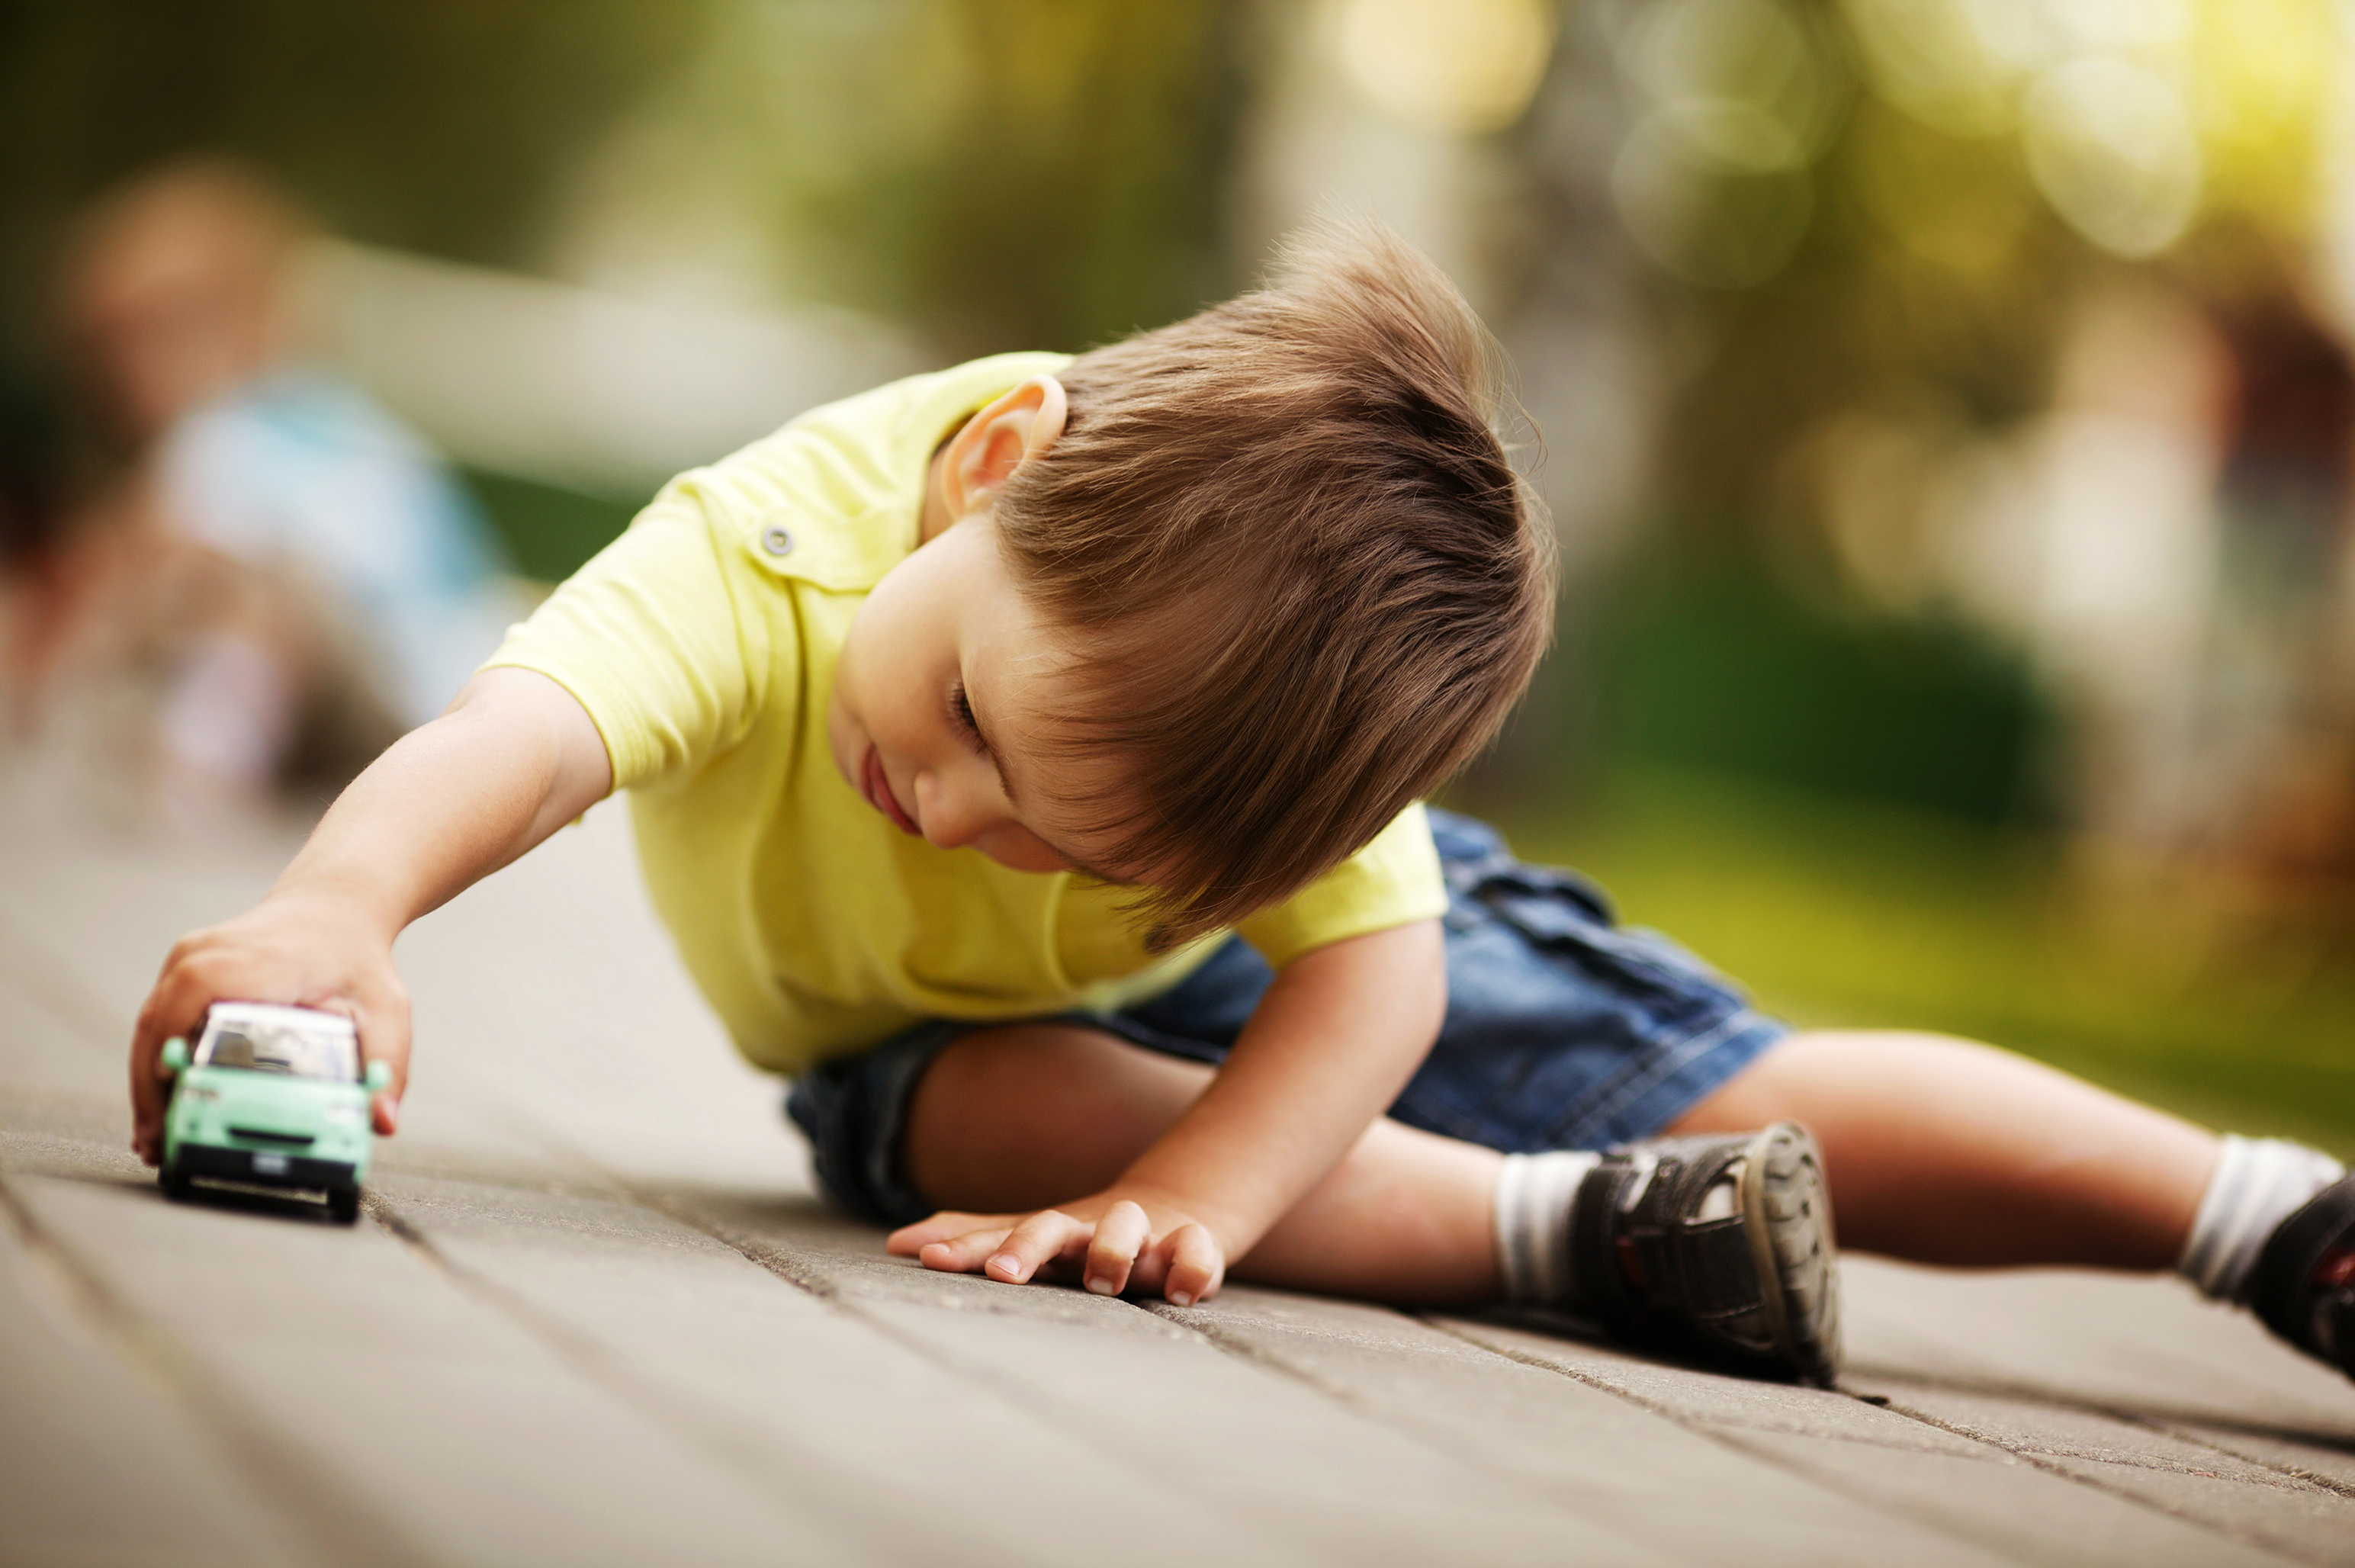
(1705, 1271)
(2306, 1276)
(1598, 1289)
(1632, 1264)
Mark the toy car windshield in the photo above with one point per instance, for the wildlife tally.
(296, 1047)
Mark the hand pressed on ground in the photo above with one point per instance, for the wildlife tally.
(1117, 1240)
(1332, 1041)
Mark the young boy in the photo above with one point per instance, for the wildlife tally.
(1025, 759)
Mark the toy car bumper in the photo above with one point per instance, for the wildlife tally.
(262, 1167)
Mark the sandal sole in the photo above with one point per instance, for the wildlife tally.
(1787, 1218)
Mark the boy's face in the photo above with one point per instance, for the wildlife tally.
(939, 701)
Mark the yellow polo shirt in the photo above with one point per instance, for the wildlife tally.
(703, 641)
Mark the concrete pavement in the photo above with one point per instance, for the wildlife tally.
(593, 1314)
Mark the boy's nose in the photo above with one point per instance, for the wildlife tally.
(950, 816)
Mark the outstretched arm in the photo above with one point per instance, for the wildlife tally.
(1333, 1041)
(514, 758)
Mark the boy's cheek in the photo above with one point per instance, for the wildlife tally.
(1017, 849)
(843, 734)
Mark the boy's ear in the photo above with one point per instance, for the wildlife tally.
(999, 440)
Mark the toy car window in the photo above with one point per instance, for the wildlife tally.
(280, 1048)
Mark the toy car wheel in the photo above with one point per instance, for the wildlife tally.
(343, 1203)
(175, 1182)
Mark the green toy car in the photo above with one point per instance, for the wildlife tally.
(274, 1097)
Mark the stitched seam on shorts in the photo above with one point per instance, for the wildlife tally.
(1647, 1072)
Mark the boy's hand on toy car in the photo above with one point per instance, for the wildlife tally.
(307, 949)
(1117, 1240)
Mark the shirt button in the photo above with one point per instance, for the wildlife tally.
(777, 541)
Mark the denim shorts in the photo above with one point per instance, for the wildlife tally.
(1563, 1030)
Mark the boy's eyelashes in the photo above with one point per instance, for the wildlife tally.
(962, 720)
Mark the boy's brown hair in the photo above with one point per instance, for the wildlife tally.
(1306, 582)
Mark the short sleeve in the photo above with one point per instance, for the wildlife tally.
(654, 640)
(1393, 880)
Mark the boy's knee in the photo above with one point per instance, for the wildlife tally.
(1060, 1108)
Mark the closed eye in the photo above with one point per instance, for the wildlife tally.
(961, 718)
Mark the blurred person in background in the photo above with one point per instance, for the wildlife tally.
(291, 572)
(2116, 531)
(2183, 566)
(2283, 663)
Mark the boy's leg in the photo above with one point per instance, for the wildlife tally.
(1032, 1115)
(1934, 1149)
(1948, 1152)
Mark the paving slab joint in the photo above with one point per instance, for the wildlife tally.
(1598, 1384)
(584, 1353)
(782, 1262)
(1895, 1407)
(90, 1300)
(1658, 1408)
(2178, 1426)
(1733, 1440)
(345, 1528)
(722, 1441)
(1197, 1321)
(2050, 1466)
(2184, 1434)
(376, 1208)
(762, 1255)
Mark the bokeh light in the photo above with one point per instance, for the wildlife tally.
(1709, 224)
(2113, 150)
(1458, 67)
(1712, 180)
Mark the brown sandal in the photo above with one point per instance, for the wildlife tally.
(2305, 1284)
(1720, 1248)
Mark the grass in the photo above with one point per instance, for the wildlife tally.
(2190, 988)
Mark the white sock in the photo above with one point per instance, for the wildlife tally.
(2259, 1182)
(1535, 1195)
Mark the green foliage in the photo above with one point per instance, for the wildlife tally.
(1863, 318)
(1718, 670)
(433, 124)
(1041, 173)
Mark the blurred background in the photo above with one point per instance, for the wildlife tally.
(1945, 405)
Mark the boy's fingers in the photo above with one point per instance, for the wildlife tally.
(383, 1022)
(1120, 1233)
(1197, 1265)
(960, 1254)
(1033, 1244)
(384, 1107)
(146, 1098)
(909, 1239)
(171, 1009)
